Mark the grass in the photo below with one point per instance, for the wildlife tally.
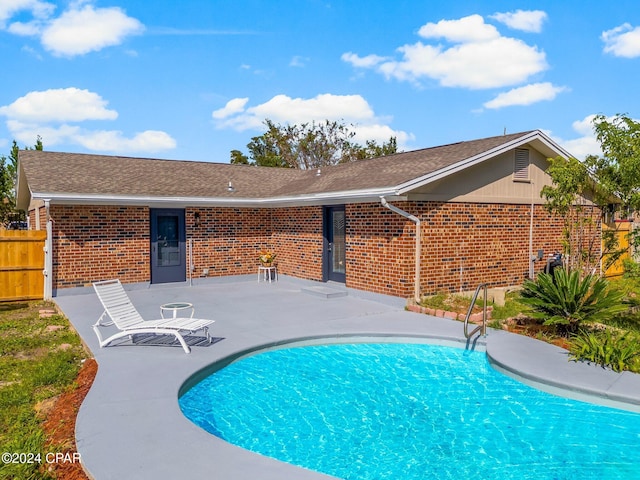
(456, 303)
(512, 307)
(38, 362)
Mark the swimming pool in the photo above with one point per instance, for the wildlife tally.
(410, 411)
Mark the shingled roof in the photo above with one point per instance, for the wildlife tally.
(86, 178)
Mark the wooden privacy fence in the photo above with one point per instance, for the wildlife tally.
(21, 264)
(622, 230)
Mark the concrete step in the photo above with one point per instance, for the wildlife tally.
(324, 292)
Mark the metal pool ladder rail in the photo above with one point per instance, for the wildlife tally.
(482, 328)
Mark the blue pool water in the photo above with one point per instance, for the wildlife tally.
(409, 411)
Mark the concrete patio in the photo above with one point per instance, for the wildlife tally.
(130, 425)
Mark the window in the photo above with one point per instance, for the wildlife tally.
(521, 166)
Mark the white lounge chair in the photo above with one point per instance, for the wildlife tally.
(121, 312)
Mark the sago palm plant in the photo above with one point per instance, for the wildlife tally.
(565, 299)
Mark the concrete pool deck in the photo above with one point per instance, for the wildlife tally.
(130, 425)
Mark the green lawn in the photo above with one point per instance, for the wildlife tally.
(39, 359)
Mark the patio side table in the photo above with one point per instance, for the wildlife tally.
(265, 273)
(174, 307)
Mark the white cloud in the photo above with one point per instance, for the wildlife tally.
(496, 63)
(51, 114)
(382, 133)
(622, 41)
(60, 105)
(464, 30)
(298, 61)
(53, 135)
(526, 95)
(352, 109)
(232, 107)
(479, 58)
(584, 145)
(37, 8)
(26, 29)
(115, 141)
(368, 61)
(527, 21)
(284, 109)
(82, 30)
(585, 126)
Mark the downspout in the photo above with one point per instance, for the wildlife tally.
(416, 220)
(48, 255)
(192, 267)
(532, 270)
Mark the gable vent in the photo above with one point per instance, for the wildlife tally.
(521, 168)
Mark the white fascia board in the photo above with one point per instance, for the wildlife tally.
(355, 196)
(536, 135)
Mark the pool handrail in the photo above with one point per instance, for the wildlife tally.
(483, 327)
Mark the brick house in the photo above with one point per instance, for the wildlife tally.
(438, 219)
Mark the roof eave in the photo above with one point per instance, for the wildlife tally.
(329, 198)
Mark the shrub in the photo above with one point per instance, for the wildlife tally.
(618, 351)
(566, 300)
(631, 268)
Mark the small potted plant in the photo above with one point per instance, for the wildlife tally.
(266, 258)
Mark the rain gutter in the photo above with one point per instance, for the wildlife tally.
(226, 201)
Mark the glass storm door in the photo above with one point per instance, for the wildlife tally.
(335, 243)
(168, 246)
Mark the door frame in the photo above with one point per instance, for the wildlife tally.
(327, 240)
(176, 273)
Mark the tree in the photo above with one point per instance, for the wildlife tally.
(572, 182)
(618, 168)
(612, 178)
(372, 149)
(269, 149)
(309, 146)
(8, 180)
(238, 158)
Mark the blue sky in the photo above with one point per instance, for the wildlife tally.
(195, 79)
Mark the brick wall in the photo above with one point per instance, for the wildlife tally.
(296, 236)
(41, 213)
(92, 243)
(32, 218)
(228, 240)
(469, 244)
(380, 246)
(463, 245)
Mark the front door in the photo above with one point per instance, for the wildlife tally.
(335, 243)
(168, 246)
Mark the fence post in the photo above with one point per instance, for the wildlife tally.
(48, 262)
